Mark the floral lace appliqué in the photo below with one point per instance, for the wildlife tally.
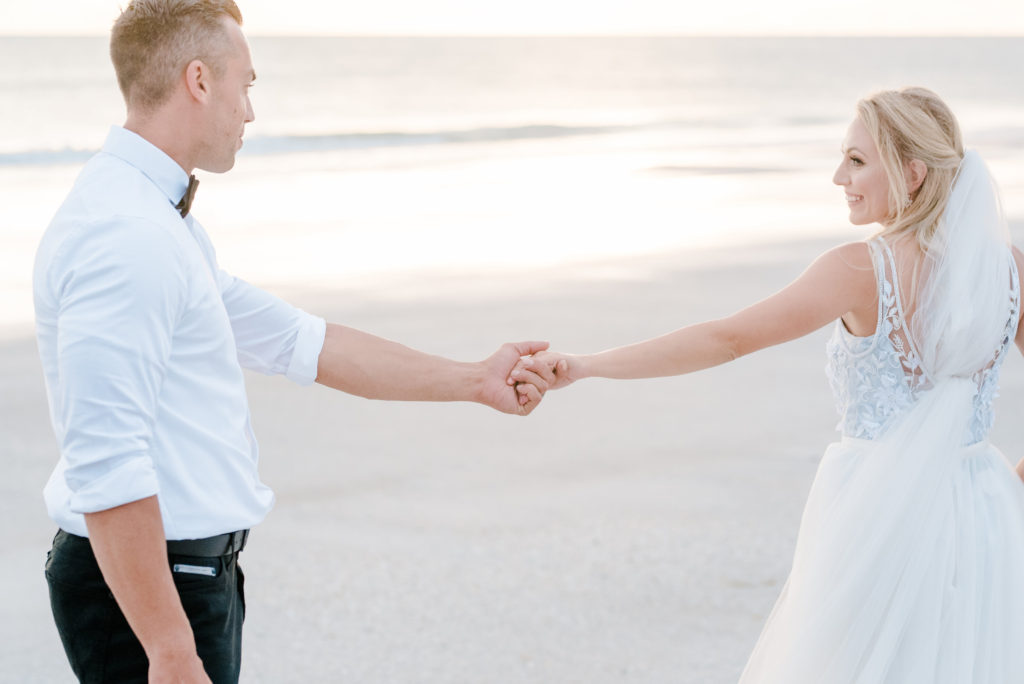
(878, 378)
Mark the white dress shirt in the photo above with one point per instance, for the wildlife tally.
(143, 339)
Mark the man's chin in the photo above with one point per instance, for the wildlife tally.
(219, 166)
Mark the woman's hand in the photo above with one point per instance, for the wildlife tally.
(555, 369)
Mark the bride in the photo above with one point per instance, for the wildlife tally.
(909, 563)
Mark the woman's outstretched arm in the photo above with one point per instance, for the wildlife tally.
(841, 282)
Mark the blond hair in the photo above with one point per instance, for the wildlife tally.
(154, 40)
(914, 124)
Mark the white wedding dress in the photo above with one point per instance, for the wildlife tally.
(909, 564)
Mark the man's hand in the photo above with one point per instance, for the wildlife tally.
(497, 392)
(177, 669)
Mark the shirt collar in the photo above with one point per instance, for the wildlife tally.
(153, 162)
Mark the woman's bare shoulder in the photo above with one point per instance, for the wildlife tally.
(851, 262)
(855, 255)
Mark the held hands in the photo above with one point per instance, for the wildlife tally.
(520, 398)
(518, 375)
(552, 369)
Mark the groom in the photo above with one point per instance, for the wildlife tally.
(143, 338)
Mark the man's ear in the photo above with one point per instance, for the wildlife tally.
(197, 79)
(917, 171)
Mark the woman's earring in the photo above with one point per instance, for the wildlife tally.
(906, 201)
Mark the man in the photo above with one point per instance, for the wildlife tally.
(142, 339)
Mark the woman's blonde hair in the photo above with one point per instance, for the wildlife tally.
(909, 124)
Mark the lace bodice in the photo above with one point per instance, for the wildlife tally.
(876, 379)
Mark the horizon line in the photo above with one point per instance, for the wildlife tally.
(638, 34)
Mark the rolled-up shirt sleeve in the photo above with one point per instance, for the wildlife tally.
(272, 336)
(120, 288)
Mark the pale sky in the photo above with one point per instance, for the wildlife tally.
(562, 17)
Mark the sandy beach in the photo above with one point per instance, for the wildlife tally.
(625, 532)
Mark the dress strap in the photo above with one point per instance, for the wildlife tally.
(1014, 317)
(877, 248)
(1014, 290)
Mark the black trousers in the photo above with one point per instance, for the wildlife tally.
(100, 645)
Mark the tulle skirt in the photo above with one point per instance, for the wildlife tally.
(923, 587)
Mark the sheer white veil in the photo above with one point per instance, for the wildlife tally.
(963, 305)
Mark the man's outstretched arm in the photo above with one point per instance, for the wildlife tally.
(369, 366)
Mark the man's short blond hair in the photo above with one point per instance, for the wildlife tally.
(154, 40)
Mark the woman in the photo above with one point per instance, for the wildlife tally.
(909, 564)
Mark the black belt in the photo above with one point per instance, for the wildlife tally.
(221, 545)
(211, 547)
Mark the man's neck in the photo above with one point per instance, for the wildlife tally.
(165, 132)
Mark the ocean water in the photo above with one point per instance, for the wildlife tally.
(372, 157)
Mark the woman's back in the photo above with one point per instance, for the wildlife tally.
(876, 378)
